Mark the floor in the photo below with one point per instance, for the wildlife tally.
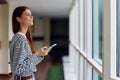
(56, 73)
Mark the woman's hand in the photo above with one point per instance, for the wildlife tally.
(43, 51)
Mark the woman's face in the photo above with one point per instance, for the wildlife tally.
(26, 18)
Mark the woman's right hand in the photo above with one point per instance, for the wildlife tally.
(43, 51)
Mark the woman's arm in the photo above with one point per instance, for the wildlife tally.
(26, 61)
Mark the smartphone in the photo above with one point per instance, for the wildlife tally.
(52, 45)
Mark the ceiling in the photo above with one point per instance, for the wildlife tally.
(47, 8)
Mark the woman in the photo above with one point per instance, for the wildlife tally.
(23, 57)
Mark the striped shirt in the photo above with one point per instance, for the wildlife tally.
(22, 61)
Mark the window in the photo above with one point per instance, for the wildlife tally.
(96, 76)
(97, 30)
(85, 25)
(84, 69)
(118, 38)
(96, 38)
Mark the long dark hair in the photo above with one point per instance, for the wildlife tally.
(16, 26)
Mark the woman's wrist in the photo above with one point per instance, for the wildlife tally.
(37, 54)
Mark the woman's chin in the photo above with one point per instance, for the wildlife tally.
(31, 24)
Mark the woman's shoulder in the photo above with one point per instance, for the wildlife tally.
(18, 38)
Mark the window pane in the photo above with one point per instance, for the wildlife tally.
(118, 38)
(97, 30)
(85, 25)
(85, 70)
(96, 76)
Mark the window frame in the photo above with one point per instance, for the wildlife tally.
(108, 69)
(97, 13)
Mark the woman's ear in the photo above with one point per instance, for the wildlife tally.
(18, 19)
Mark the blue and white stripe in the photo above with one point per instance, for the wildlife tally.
(22, 61)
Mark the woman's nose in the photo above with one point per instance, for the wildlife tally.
(31, 16)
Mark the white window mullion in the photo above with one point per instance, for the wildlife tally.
(72, 25)
(76, 19)
(89, 38)
(77, 41)
(81, 68)
(77, 65)
(81, 24)
(106, 39)
(81, 38)
(109, 39)
(113, 38)
(71, 34)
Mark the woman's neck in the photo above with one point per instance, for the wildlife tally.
(23, 30)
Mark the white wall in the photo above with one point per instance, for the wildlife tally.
(11, 8)
(4, 39)
(5, 36)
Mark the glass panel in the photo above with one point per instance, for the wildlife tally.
(118, 38)
(97, 30)
(96, 76)
(85, 25)
(99, 78)
(79, 24)
(85, 70)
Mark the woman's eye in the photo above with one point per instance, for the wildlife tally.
(28, 14)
